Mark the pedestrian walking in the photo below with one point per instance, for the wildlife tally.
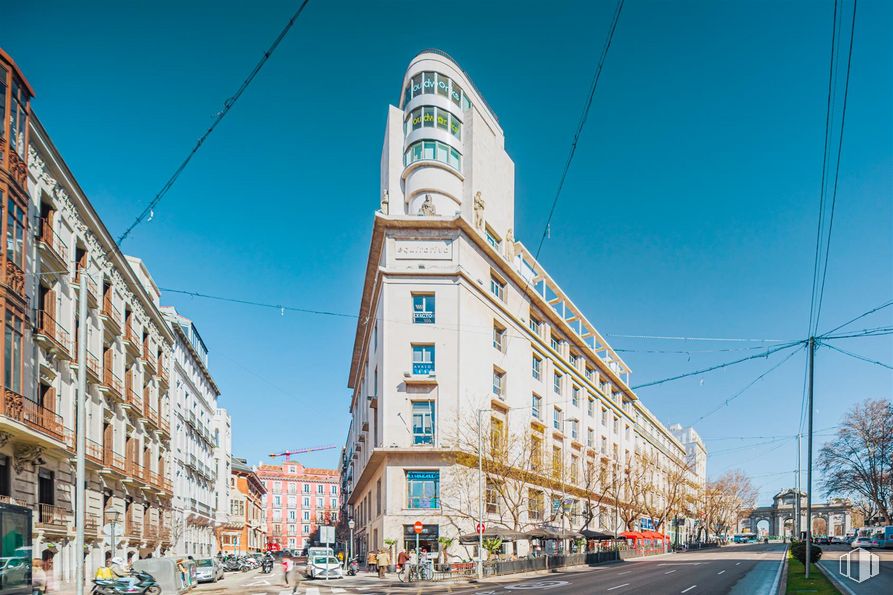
(383, 559)
(38, 577)
(287, 564)
(294, 576)
(371, 561)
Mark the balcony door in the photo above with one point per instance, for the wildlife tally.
(147, 459)
(46, 495)
(108, 436)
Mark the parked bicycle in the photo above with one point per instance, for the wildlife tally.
(411, 573)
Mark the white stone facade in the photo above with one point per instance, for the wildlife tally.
(223, 448)
(127, 433)
(457, 316)
(194, 446)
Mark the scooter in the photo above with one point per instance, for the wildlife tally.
(267, 565)
(138, 583)
(353, 567)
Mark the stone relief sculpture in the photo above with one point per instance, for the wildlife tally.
(479, 211)
(510, 244)
(384, 201)
(27, 454)
(427, 207)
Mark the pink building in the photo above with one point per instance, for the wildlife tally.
(299, 499)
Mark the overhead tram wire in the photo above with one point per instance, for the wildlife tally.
(749, 384)
(767, 353)
(570, 158)
(886, 304)
(857, 356)
(227, 106)
(846, 89)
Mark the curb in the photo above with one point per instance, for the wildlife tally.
(835, 580)
(781, 579)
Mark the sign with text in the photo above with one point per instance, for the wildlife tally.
(327, 534)
(424, 250)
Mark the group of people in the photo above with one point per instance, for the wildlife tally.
(378, 561)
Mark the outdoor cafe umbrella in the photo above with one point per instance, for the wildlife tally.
(492, 533)
(550, 533)
(598, 535)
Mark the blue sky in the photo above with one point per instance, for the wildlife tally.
(690, 209)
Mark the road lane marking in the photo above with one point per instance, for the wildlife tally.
(624, 572)
(669, 571)
(737, 563)
(618, 586)
(720, 572)
(689, 589)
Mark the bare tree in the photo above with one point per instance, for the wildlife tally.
(858, 462)
(720, 503)
(666, 487)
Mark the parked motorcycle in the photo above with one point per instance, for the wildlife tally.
(353, 567)
(138, 583)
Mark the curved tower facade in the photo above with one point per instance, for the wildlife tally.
(443, 146)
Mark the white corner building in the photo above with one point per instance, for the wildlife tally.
(457, 316)
(194, 440)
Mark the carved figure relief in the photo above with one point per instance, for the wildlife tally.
(479, 211)
(427, 207)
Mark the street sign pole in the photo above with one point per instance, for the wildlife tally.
(809, 455)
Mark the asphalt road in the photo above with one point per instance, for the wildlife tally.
(738, 570)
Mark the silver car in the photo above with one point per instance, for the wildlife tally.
(208, 570)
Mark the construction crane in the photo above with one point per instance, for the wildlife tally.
(288, 453)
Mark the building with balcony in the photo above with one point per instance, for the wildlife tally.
(298, 501)
(245, 530)
(223, 448)
(458, 322)
(53, 237)
(193, 410)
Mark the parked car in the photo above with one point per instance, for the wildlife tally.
(324, 567)
(822, 540)
(14, 572)
(862, 541)
(837, 540)
(208, 570)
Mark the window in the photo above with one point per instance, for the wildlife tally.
(535, 325)
(292, 530)
(555, 342)
(306, 515)
(292, 487)
(498, 437)
(17, 118)
(573, 359)
(306, 502)
(422, 359)
(575, 396)
(292, 502)
(626, 431)
(536, 404)
(306, 529)
(15, 234)
(13, 353)
(320, 489)
(423, 308)
(575, 426)
(590, 438)
(536, 452)
(497, 287)
(431, 82)
(575, 464)
(604, 446)
(277, 487)
(291, 469)
(534, 505)
(423, 489)
(334, 502)
(537, 367)
(334, 490)
(306, 488)
(556, 382)
(319, 502)
(493, 239)
(616, 425)
(292, 515)
(498, 383)
(430, 150)
(604, 417)
(557, 461)
(492, 497)
(590, 374)
(498, 338)
(277, 501)
(556, 419)
(422, 422)
(590, 407)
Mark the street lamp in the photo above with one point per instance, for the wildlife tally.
(350, 525)
(480, 527)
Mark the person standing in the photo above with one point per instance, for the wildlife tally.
(371, 561)
(382, 560)
(38, 577)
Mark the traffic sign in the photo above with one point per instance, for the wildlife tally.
(480, 527)
(113, 528)
(417, 527)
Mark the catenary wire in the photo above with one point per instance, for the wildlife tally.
(857, 356)
(816, 267)
(593, 86)
(227, 106)
(846, 90)
(886, 304)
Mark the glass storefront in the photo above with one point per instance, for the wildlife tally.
(433, 117)
(427, 538)
(433, 151)
(15, 550)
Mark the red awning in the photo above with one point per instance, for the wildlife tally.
(632, 535)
